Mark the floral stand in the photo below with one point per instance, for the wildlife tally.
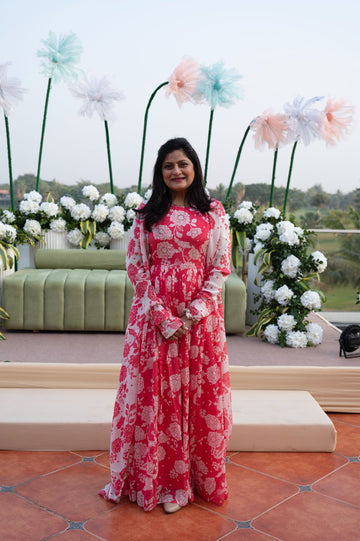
(120, 244)
(54, 240)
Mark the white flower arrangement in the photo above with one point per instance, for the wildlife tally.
(8, 217)
(33, 196)
(67, 202)
(102, 239)
(91, 192)
(80, 212)
(116, 230)
(7, 233)
(133, 200)
(32, 227)
(49, 209)
(29, 206)
(75, 236)
(58, 225)
(100, 212)
(117, 213)
(109, 199)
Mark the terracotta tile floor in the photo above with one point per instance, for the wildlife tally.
(273, 496)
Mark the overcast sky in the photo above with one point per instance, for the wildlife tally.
(282, 49)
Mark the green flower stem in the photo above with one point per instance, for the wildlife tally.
(208, 145)
(289, 177)
(273, 177)
(144, 132)
(109, 156)
(9, 162)
(237, 162)
(42, 133)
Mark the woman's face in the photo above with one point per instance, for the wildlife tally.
(178, 172)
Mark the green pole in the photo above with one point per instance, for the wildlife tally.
(9, 162)
(42, 133)
(273, 177)
(109, 155)
(289, 177)
(208, 145)
(144, 132)
(237, 162)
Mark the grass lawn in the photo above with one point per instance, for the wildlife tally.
(341, 299)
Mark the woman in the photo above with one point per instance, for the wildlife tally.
(172, 416)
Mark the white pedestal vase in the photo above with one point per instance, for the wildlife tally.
(252, 289)
(120, 244)
(54, 241)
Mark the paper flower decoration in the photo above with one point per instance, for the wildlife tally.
(304, 119)
(10, 93)
(183, 81)
(337, 120)
(270, 129)
(60, 56)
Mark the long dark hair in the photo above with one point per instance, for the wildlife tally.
(160, 200)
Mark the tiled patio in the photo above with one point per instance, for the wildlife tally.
(282, 496)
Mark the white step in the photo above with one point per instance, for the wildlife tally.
(70, 419)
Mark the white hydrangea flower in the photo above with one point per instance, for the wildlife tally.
(258, 246)
(147, 194)
(267, 290)
(75, 237)
(283, 295)
(50, 209)
(91, 192)
(100, 213)
(116, 230)
(32, 227)
(28, 206)
(263, 232)
(291, 266)
(109, 199)
(243, 216)
(80, 212)
(284, 226)
(272, 212)
(314, 334)
(296, 339)
(286, 322)
(271, 334)
(67, 202)
(7, 233)
(133, 200)
(289, 237)
(320, 260)
(299, 231)
(8, 217)
(102, 238)
(248, 246)
(33, 196)
(311, 300)
(130, 215)
(58, 225)
(246, 205)
(117, 213)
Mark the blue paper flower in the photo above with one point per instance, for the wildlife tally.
(218, 86)
(60, 56)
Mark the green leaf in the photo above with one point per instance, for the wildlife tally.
(4, 258)
(4, 314)
(241, 236)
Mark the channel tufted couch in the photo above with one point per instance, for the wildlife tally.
(88, 290)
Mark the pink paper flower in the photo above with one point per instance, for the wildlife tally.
(183, 81)
(271, 129)
(336, 121)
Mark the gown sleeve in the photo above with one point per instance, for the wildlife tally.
(218, 265)
(138, 269)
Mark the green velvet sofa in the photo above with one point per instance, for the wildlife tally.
(88, 290)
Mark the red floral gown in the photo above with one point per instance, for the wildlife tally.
(172, 416)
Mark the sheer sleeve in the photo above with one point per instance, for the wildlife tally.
(137, 264)
(217, 265)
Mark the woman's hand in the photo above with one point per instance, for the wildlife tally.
(187, 324)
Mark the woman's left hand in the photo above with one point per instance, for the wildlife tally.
(188, 323)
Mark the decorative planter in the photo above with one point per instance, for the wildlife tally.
(54, 240)
(120, 244)
(252, 289)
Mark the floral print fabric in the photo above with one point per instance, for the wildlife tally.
(172, 415)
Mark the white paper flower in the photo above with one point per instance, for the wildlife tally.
(305, 122)
(133, 200)
(60, 56)
(311, 300)
(271, 212)
(271, 334)
(100, 213)
(58, 225)
(283, 295)
(117, 213)
(314, 334)
(291, 266)
(33, 196)
(263, 232)
(67, 202)
(91, 192)
(10, 91)
(102, 238)
(109, 199)
(286, 322)
(50, 209)
(80, 212)
(116, 230)
(296, 339)
(75, 237)
(27, 206)
(320, 260)
(32, 227)
(8, 217)
(97, 95)
(243, 216)
(267, 290)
